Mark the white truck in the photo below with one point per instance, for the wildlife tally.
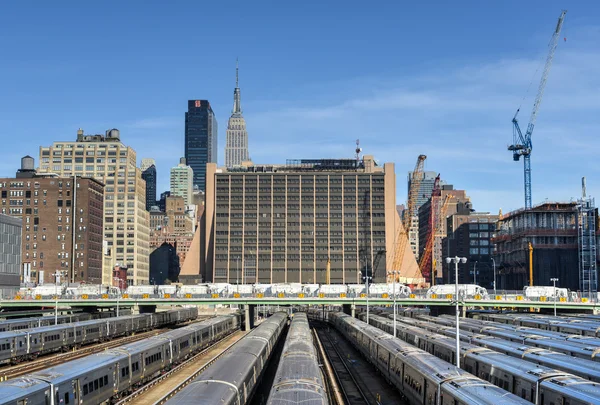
(534, 293)
(465, 291)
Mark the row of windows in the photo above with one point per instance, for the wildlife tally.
(92, 386)
(153, 358)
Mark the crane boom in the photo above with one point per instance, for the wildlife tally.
(522, 145)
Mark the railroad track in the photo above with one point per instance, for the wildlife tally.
(52, 360)
(351, 390)
(161, 389)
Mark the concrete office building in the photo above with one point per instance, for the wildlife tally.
(126, 220)
(149, 176)
(182, 182)
(10, 255)
(282, 223)
(62, 224)
(236, 147)
(469, 235)
(200, 139)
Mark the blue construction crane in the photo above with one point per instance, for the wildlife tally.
(521, 145)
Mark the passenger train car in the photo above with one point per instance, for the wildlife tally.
(538, 384)
(299, 379)
(421, 377)
(107, 376)
(27, 344)
(36, 322)
(234, 377)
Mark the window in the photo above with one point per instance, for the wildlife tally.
(474, 251)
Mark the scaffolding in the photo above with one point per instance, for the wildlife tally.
(586, 244)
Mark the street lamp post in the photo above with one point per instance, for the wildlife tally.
(456, 260)
(554, 280)
(367, 289)
(118, 279)
(56, 275)
(494, 264)
(394, 273)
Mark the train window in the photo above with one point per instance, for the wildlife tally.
(66, 397)
(105, 380)
(101, 382)
(57, 396)
(91, 386)
(95, 384)
(85, 389)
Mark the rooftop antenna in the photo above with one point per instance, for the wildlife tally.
(358, 150)
(583, 188)
(237, 69)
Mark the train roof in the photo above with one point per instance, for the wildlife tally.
(17, 388)
(473, 390)
(75, 368)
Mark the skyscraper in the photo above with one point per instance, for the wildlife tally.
(182, 181)
(106, 159)
(236, 148)
(146, 163)
(149, 175)
(200, 139)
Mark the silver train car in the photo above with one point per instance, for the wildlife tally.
(577, 327)
(584, 368)
(234, 377)
(27, 344)
(36, 322)
(299, 379)
(577, 346)
(538, 384)
(107, 376)
(421, 377)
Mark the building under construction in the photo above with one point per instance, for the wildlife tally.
(552, 230)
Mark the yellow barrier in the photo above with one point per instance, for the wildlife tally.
(477, 296)
(519, 298)
(260, 295)
(301, 295)
(167, 295)
(434, 296)
(104, 296)
(498, 297)
(343, 295)
(449, 296)
(38, 297)
(17, 297)
(145, 296)
(563, 299)
(236, 295)
(584, 300)
(215, 295)
(363, 295)
(412, 296)
(384, 295)
(125, 295)
(84, 296)
(280, 295)
(543, 299)
(321, 295)
(188, 296)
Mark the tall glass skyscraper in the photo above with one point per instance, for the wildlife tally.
(149, 174)
(200, 139)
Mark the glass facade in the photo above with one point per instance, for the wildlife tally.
(200, 139)
(150, 176)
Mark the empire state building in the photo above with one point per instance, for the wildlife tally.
(236, 146)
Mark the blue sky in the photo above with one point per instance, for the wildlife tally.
(439, 78)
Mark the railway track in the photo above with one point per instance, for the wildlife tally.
(161, 389)
(351, 390)
(52, 360)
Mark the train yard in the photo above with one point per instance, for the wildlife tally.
(302, 355)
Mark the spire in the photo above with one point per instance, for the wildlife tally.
(237, 100)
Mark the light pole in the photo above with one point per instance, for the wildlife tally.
(554, 280)
(494, 264)
(56, 275)
(119, 294)
(394, 273)
(367, 289)
(456, 260)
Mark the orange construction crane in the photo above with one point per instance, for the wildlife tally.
(409, 213)
(426, 262)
